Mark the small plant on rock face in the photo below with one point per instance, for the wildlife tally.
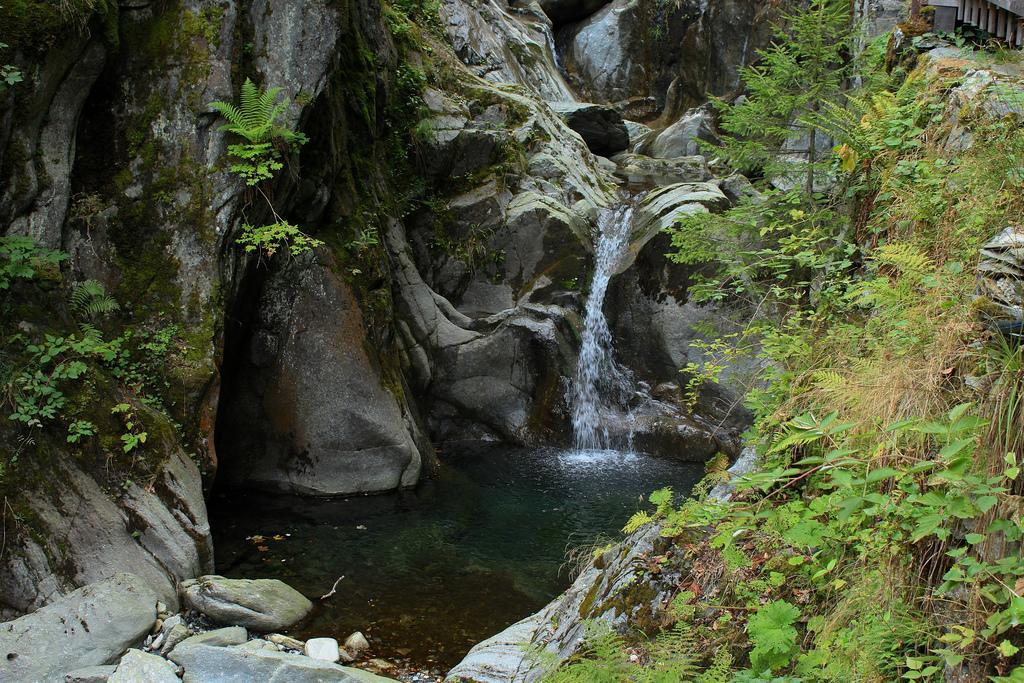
(257, 119)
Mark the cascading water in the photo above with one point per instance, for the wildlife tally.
(601, 384)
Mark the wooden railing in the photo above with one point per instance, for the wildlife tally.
(1001, 18)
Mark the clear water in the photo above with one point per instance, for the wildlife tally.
(432, 571)
(601, 385)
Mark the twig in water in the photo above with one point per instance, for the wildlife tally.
(333, 588)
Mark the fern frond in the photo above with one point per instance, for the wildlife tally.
(828, 380)
(672, 657)
(90, 300)
(904, 258)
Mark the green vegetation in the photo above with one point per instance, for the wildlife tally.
(879, 539)
(803, 69)
(256, 119)
(58, 373)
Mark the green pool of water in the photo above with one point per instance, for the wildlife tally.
(431, 571)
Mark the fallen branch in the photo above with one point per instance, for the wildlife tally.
(333, 588)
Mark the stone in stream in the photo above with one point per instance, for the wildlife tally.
(257, 604)
(90, 626)
(286, 641)
(240, 664)
(221, 637)
(137, 666)
(175, 635)
(356, 643)
(324, 649)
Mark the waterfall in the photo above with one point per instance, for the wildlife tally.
(601, 384)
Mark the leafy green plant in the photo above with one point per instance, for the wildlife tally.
(269, 239)
(21, 258)
(133, 436)
(257, 119)
(774, 636)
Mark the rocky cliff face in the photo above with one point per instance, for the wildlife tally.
(458, 210)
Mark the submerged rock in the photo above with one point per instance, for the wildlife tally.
(137, 666)
(205, 663)
(257, 604)
(357, 643)
(600, 126)
(90, 626)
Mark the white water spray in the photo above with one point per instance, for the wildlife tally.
(601, 384)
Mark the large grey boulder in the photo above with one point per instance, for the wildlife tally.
(308, 411)
(82, 533)
(137, 666)
(257, 604)
(600, 126)
(683, 137)
(88, 627)
(240, 664)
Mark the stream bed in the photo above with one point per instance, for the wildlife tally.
(431, 571)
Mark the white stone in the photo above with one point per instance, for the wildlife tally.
(324, 649)
(356, 643)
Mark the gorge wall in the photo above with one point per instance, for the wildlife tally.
(458, 210)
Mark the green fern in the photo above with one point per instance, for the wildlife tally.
(89, 300)
(904, 258)
(672, 657)
(257, 119)
(601, 659)
(256, 116)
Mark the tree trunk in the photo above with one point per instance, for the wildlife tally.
(915, 9)
(811, 153)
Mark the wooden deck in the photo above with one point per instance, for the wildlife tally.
(1003, 19)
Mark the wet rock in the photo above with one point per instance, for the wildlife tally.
(638, 169)
(90, 626)
(502, 46)
(600, 126)
(660, 208)
(257, 604)
(324, 649)
(137, 666)
(356, 643)
(90, 674)
(205, 663)
(638, 133)
(683, 137)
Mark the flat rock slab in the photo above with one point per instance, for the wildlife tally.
(91, 674)
(257, 604)
(209, 664)
(221, 637)
(90, 626)
(136, 666)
